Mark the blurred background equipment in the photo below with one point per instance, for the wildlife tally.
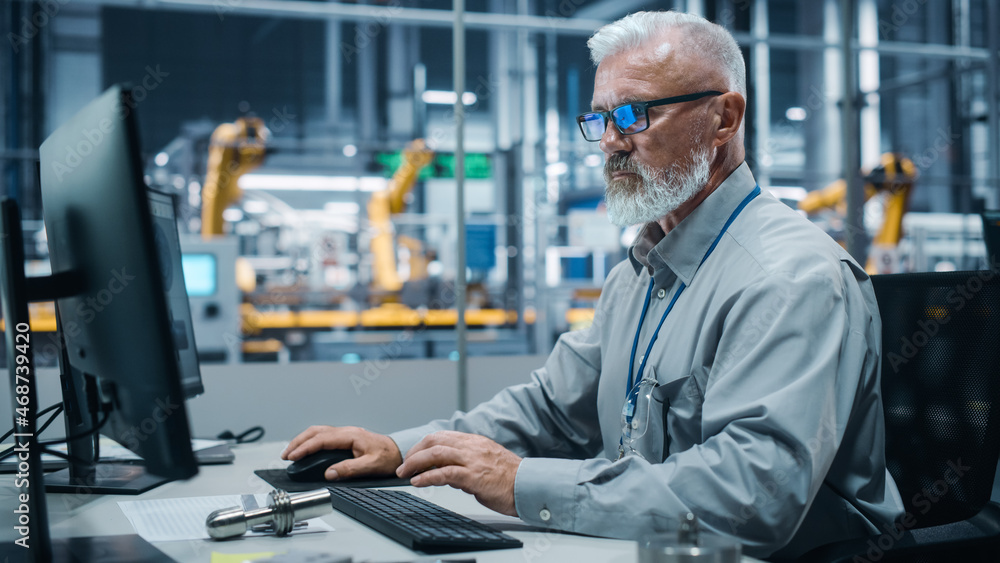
(316, 229)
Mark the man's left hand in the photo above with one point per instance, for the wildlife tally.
(472, 463)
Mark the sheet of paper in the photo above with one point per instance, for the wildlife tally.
(174, 519)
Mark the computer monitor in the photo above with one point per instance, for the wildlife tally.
(991, 237)
(118, 328)
(121, 363)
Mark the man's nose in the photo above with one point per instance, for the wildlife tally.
(612, 141)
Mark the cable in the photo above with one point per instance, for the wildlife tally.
(48, 422)
(73, 437)
(58, 407)
(250, 435)
(43, 445)
(37, 416)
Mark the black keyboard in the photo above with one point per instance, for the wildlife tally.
(416, 523)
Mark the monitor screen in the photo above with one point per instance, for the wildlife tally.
(200, 274)
(168, 248)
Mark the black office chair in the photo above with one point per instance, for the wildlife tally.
(941, 394)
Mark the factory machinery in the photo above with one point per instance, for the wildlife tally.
(309, 286)
(270, 281)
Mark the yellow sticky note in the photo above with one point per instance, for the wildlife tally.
(240, 557)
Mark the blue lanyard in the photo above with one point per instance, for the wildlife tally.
(632, 392)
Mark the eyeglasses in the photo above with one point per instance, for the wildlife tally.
(631, 118)
(639, 419)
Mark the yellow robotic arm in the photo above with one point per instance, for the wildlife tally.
(234, 150)
(383, 204)
(895, 175)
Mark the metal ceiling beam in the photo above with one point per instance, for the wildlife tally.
(386, 15)
(607, 9)
(816, 43)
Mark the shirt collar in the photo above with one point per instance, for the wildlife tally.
(681, 250)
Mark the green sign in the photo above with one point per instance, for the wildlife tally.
(477, 165)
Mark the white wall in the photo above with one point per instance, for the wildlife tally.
(287, 398)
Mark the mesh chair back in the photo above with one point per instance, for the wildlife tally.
(941, 389)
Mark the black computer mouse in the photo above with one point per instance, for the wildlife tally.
(313, 466)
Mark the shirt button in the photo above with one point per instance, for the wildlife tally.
(662, 293)
(635, 424)
(545, 515)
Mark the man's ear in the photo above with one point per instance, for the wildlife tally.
(732, 107)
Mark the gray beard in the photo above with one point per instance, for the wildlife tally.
(655, 193)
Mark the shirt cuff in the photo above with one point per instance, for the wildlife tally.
(406, 439)
(545, 492)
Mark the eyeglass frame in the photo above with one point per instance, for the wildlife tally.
(606, 115)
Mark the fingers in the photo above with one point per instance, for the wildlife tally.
(434, 456)
(297, 441)
(357, 467)
(442, 438)
(317, 438)
(448, 475)
(436, 450)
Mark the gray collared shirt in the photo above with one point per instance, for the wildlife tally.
(765, 417)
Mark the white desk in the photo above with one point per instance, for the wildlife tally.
(71, 516)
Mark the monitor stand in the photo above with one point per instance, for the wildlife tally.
(85, 474)
(106, 479)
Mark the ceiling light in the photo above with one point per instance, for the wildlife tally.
(447, 97)
(287, 182)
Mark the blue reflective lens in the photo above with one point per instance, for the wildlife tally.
(625, 117)
(593, 124)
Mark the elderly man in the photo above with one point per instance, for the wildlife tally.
(732, 369)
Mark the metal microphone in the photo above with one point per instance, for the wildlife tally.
(282, 511)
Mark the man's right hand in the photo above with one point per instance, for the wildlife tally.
(374, 454)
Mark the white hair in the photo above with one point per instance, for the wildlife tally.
(710, 40)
